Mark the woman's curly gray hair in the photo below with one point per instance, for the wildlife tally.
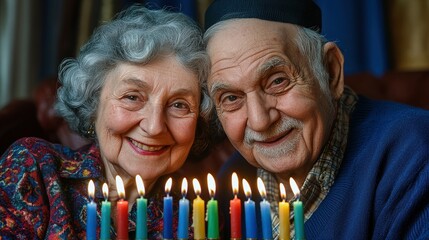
(136, 35)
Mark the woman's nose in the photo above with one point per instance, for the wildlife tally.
(153, 120)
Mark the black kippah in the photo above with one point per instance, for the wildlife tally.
(300, 12)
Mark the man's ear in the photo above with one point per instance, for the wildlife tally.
(334, 63)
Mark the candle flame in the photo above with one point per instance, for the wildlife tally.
(91, 189)
(261, 188)
(282, 191)
(120, 187)
(197, 186)
(211, 184)
(246, 188)
(184, 187)
(105, 191)
(168, 185)
(140, 185)
(234, 180)
(294, 187)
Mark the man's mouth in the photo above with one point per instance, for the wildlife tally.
(274, 139)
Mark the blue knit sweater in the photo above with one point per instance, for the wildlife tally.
(382, 188)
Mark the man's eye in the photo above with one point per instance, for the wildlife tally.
(230, 102)
(279, 81)
(231, 98)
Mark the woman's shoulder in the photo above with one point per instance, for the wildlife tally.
(35, 154)
(31, 149)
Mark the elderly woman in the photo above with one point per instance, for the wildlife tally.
(136, 89)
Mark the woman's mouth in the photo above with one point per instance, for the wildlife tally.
(146, 148)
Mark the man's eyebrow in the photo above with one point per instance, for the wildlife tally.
(217, 86)
(270, 64)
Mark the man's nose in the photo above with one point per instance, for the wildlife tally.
(261, 111)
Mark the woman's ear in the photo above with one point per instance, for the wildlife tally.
(334, 63)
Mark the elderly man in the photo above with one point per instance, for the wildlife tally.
(278, 87)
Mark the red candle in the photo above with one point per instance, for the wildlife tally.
(122, 211)
(235, 210)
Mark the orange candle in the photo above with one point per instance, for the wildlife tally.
(284, 215)
(198, 212)
(122, 211)
(235, 209)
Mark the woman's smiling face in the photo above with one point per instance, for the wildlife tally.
(147, 117)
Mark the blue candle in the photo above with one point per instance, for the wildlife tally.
(91, 214)
(105, 214)
(267, 231)
(298, 210)
(183, 232)
(141, 223)
(249, 212)
(168, 211)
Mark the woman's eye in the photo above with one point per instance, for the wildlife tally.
(131, 97)
(180, 105)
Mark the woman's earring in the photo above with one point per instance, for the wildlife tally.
(91, 131)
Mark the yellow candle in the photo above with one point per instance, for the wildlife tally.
(198, 213)
(284, 215)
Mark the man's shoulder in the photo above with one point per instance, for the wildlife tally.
(386, 117)
(383, 109)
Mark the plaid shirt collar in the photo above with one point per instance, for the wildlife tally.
(321, 177)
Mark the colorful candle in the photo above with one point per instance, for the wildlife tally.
(267, 230)
(198, 213)
(168, 211)
(91, 214)
(284, 215)
(183, 232)
(212, 210)
(105, 214)
(249, 212)
(141, 224)
(235, 209)
(298, 210)
(122, 211)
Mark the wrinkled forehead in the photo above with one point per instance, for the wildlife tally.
(241, 35)
(243, 45)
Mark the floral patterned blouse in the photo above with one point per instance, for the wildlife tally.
(43, 192)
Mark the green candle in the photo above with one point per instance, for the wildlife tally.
(105, 214)
(298, 210)
(141, 224)
(212, 211)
